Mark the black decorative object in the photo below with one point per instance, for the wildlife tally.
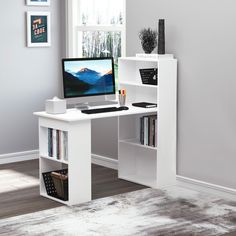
(149, 75)
(161, 37)
(148, 39)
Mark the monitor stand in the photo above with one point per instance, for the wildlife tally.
(86, 105)
(81, 106)
(103, 103)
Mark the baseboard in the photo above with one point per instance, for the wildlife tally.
(34, 154)
(105, 161)
(206, 186)
(19, 156)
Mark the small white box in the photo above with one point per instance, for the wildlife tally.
(55, 106)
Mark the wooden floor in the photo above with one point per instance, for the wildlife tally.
(19, 188)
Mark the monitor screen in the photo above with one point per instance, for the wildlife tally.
(88, 77)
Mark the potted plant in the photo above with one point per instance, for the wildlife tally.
(148, 39)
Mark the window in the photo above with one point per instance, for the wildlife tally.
(96, 28)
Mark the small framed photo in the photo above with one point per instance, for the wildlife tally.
(38, 2)
(38, 29)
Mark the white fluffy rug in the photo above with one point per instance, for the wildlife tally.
(143, 212)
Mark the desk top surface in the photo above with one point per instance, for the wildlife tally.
(73, 115)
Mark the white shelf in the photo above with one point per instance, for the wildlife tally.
(136, 142)
(141, 59)
(150, 182)
(54, 159)
(139, 84)
(75, 115)
(150, 166)
(157, 56)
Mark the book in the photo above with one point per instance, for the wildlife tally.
(155, 133)
(61, 146)
(144, 104)
(57, 144)
(54, 143)
(141, 130)
(148, 130)
(151, 130)
(152, 119)
(145, 130)
(50, 142)
(65, 145)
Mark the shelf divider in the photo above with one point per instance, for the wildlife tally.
(136, 142)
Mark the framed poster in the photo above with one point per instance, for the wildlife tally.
(38, 2)
(38, 29)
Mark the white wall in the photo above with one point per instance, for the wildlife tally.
(28, 75)
(31, 75)
(105, 137)
(202, 35)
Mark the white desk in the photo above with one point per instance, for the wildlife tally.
(78, 126)
(150, 166)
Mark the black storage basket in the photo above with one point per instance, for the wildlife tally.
(50, 187)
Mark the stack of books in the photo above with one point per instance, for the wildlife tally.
(58, 144)
(148, 130)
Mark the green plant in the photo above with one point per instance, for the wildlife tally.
(148, 39)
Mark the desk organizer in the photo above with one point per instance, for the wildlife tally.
(59, 191)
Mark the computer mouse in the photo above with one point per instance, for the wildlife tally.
(123, 108)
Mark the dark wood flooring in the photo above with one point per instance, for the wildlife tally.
(19, 188)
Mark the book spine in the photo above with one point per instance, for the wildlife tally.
(141, 131)
(61, 149)
(152, 131)
(65, 143)
(150, 142)
(145, 130)
(156, 133)
(54, 143)
(59, 141)
(49, 142)
(58, 145)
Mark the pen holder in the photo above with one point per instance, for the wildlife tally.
(122, 99)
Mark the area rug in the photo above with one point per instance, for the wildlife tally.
(144, 212)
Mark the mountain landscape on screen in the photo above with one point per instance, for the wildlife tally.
(106, 79)
(87, 82)
(88, 76)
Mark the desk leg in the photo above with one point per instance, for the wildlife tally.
(79, 162)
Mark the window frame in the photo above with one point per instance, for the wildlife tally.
(73, 28)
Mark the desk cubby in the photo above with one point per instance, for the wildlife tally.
(49, 165)
(54, 144)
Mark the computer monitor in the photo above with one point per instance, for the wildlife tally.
(88, 79)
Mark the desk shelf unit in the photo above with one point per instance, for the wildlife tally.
(151, 166)
(78, 128)
(78, 154)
